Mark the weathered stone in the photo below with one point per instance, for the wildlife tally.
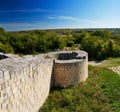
(116, 69)
(25, 82)
(70, 68)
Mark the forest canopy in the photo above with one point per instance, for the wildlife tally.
(99, 44)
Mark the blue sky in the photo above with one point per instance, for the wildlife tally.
(51, 14)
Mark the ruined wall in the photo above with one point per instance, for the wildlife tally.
(24, 84)
(71, 68)
(25, 81)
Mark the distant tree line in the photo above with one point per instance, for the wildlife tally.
(99, 44)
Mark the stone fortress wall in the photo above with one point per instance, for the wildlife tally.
(25, 81)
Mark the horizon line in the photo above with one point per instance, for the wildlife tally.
(60, 29)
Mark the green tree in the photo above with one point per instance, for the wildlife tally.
(105, 34)
(2, 30)
(6, 48)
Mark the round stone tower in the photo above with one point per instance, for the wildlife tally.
(70, 68)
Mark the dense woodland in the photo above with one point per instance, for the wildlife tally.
(99, 43)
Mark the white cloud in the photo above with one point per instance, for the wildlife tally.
(25, 26)
(64, 18)
(15, 24)
(23, 10)
(75, 19)
(73, 23)
(31, 10)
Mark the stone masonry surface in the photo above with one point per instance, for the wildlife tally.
(70, 68)
(25, 81)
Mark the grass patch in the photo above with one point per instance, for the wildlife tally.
(100, 93)
(111, 62)
(110, 84)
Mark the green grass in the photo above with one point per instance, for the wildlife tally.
(111, 62)
(100, 93)
(110, 85)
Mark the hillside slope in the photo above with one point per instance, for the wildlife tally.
(100, 93)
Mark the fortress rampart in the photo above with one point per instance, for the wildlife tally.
(25, 81)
